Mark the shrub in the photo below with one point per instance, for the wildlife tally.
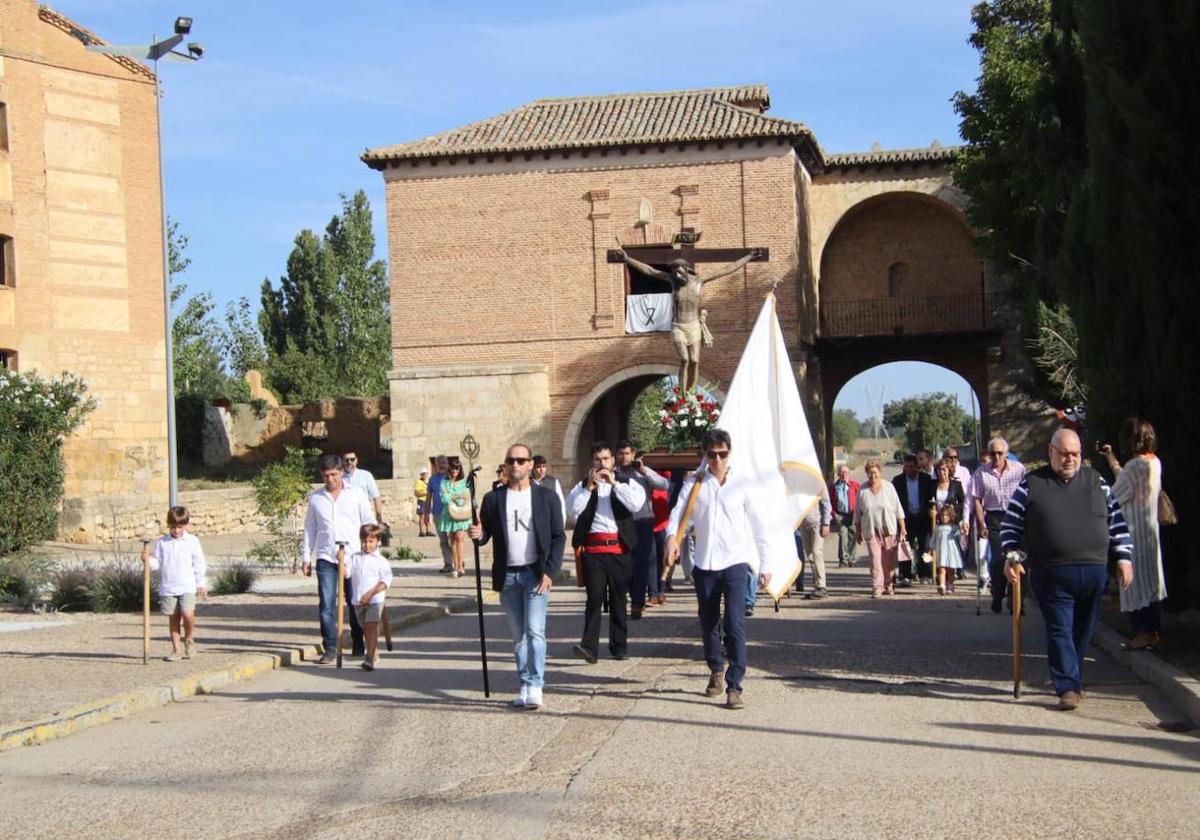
(72, 588)
(404, 552)
(118, 588)
(386, 552)
(267, 555)
(279, 490)
(235, 579)
(21, 578)
(35, 416)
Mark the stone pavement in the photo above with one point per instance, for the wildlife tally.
(53, 665)
(887, 718)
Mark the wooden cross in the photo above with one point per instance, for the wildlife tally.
(659, 255)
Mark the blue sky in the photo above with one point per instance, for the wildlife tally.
(262, 135)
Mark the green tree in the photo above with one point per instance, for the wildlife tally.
(326, 327)
(243, 344)
(845, 428)
(645, 423)
(930, 421)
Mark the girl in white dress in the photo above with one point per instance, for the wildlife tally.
(947, 556)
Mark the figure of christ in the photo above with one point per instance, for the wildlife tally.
(686, 287)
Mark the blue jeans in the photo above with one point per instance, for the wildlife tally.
(751, 588)
(645, 569)
(326, 603)
(710, 586)
(1069, 596)
(525, 610)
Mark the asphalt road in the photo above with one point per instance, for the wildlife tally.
(865, 718)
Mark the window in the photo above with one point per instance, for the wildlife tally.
(7, 274)
(3, 126)
(898, 285)
(8, 359)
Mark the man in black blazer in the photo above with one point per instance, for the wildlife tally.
(915, 490)
(526, 521)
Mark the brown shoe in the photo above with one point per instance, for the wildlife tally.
(733, 699)
(1069, 701)
(714, 684)
(662, 599)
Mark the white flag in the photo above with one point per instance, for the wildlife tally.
(649, 313)
(772, 444)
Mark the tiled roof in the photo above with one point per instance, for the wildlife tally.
(88, 37)
(887, 157)
(615, 120)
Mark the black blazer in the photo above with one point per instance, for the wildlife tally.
(549, 537)
(926, 487)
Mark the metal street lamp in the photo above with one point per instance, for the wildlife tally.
(152, 52)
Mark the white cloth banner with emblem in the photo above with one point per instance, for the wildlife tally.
(772, 444)
(648, 313)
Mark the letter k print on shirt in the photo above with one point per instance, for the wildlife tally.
(519, 525)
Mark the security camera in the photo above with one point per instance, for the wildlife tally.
(183, 25)
(195, 49)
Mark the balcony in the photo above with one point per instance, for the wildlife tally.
(907, 315)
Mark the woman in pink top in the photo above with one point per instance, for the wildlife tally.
(879, 521)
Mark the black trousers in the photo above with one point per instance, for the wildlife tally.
(918, 537)
(606, 577)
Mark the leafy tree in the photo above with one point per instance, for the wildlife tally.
(930, 421)
(196, 341)
(846, 428)
(243, 343)
(326, 328)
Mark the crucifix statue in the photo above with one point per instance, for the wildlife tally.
(688, 328)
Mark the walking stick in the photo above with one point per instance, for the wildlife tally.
(479, 585)
(1016, 590)
(681, 531)
(341, 599)
(387, 628)
(145, 602)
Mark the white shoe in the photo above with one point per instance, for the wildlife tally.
(533, 698)
(520, 700)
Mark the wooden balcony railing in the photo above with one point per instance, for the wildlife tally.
(906, 315)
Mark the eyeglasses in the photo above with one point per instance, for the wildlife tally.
(951, 457)
(520, 461)
(713, 454)
(1065, 453)
(350, 460)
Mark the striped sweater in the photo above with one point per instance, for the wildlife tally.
(1060, 522)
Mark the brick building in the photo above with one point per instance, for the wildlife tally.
(508, 320)
(80, 224)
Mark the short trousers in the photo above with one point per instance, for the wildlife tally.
(369, 614)
(173, 604)
(422, 507)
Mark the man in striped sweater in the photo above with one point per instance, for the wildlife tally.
(1069, 522)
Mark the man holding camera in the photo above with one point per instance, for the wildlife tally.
(645, 587)
(603, 507)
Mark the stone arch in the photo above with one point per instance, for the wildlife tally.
(647, 371)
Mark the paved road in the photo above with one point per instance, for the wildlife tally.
(886, 718)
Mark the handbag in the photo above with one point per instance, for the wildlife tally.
(459, 508)
(906, 551)
(1166, 510)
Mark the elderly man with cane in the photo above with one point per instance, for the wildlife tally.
(1069, 522)
(526, 521)
(730, 545)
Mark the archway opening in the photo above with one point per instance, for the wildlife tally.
(894, 408)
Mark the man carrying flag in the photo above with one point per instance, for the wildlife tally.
(730, 545)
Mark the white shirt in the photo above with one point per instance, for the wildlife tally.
(727, 527)
(364, 571)
(963, 476)
(363, 480)
(518, 527)
(629, 493)
(182, 564)
(562, 503)
(329, 521)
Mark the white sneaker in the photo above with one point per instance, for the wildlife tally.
(519, 701)
(533, 698)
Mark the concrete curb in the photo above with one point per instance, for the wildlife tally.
(1181, 689)
(79, 718)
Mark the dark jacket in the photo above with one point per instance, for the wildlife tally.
(957, 497)
(548, 533)
(926, 487)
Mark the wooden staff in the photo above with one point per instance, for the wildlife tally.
(387, 628)
(341, 599)
(145, 602)
(681, 532)
(1016, 592)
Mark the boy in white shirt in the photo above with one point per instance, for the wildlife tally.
(179, 558)
(370, 576)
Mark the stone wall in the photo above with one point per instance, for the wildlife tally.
(248, 434)
(229, 511)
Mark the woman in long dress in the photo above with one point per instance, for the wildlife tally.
(1136, 489)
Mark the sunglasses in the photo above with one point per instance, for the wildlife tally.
(997, 454)
(713, 454)
(519, 461)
